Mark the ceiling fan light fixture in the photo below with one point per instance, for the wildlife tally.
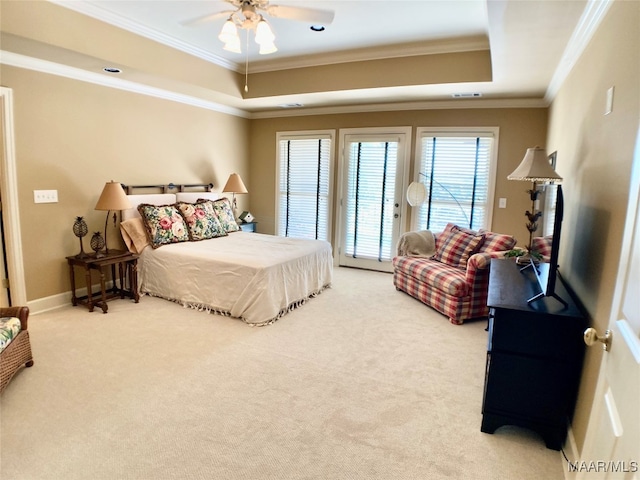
(264, 34)
(267, 48)
(233, 46)
(317, 28)
(229, 33)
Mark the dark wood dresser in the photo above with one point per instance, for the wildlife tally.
(534, 355)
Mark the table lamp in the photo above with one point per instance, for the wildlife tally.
(535, 167)
(112, 198)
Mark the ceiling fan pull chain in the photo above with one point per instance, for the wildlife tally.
(246, 65)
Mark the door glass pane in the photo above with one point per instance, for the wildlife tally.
(370, 199)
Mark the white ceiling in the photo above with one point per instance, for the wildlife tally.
(527, 39)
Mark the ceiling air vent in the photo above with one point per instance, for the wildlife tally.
(291, 105)
(466, 95)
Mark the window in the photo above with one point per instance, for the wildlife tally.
(458, 169)
(304, 173)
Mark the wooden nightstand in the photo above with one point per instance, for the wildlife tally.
(127, 263)
(248, 226)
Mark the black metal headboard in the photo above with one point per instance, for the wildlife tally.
(168, 188)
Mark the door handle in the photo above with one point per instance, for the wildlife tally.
(591, 337)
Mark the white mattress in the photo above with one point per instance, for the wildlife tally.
(251, 276)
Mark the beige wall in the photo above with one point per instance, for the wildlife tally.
(519, 129)
(595, 153)
(73, 137)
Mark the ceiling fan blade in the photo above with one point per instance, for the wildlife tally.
(313, 15)
(193, 22)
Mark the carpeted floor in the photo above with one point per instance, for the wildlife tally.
(362, 382)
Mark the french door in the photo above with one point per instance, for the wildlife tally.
(372, 188)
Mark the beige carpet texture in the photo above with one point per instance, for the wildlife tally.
(361, 382)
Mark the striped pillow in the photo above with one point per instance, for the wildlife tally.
(457, 246)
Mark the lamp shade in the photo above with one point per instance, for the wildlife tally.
(229, 32)
(264, 35)
(267, 48)
(416, 193)
(113, 198)
(235, 184)
(535, 167)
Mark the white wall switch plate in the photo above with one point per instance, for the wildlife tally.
(502, 203)
(45, 196)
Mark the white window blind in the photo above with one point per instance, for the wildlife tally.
(549, 214)
(371, 187)
(303, 186)
(457, 171)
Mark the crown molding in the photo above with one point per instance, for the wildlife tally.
(590, 20)
(431, 47)
(44, 66)
(111, 18)
(395, 107)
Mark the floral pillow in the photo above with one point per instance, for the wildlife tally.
(164, 224)
(457, 246)
(224, 212)
(202, 221)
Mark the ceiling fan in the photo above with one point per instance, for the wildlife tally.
(247, 16)
(249, 10)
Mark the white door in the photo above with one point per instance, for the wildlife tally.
(373, 179)
(613, 434)
(4, 281)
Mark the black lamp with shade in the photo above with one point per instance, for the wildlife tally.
(112, 198)
(535, 167)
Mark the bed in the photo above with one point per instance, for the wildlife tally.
(255, 277)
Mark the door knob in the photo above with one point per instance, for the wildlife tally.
(591, 337)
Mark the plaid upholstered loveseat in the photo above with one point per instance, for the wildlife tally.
(455, 280)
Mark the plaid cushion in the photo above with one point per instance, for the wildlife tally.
(542, 245)
(448, 279)
(457, 246)
(496, 242)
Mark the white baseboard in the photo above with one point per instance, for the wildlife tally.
(571, 451)
(45, 304)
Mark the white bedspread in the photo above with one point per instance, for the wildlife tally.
(251, 276)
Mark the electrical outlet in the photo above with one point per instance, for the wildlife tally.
(502, 203)
(45, 196)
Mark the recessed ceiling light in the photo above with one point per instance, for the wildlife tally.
(317, 28)
(112, 70)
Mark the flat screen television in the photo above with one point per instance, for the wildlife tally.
(547, 273)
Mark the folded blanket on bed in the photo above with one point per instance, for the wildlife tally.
(416, 244)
